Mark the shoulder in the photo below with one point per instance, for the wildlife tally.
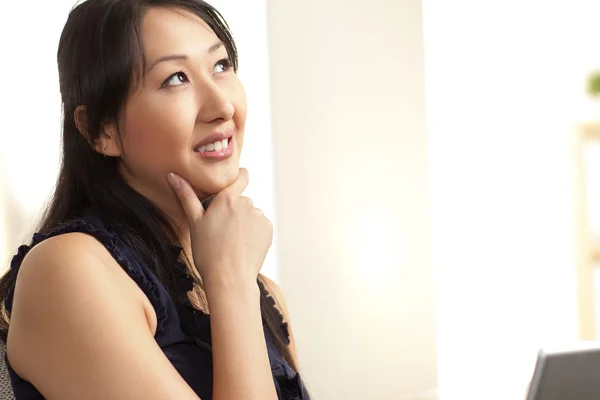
(69, 272)
(63, 259)
(60, 281)
(79, 327)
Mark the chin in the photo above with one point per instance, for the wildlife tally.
(214, 184)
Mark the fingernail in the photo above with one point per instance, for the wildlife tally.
(173, 180)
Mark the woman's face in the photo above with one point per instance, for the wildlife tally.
(189, 113)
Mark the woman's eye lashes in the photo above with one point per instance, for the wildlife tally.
(174, 78)
(179, 78)
(226, 63)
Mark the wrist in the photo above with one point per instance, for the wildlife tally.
(217, 287)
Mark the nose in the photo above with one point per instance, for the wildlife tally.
(215, 103)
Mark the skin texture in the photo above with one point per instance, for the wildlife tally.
(68, 352)
(180, 103)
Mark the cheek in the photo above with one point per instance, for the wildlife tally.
(154, 134)
(241, 110)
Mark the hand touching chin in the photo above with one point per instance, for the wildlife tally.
(212, 185)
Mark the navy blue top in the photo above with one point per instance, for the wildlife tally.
(192, 361)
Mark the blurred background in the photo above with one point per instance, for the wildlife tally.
(432, 169)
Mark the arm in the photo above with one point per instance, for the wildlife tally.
(229, 245)
(240, 360)
(79, 328)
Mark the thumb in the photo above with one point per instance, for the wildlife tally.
(187, 197)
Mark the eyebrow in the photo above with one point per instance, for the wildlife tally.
(172, 57)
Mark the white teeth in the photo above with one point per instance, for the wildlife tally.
(216, 146)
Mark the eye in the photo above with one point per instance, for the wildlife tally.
(223, 65)
(177, 79)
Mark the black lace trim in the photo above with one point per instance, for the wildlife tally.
(273, 304)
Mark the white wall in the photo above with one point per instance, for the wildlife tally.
(30, 113)
(505, 84)
(347, 82)
(30, 109)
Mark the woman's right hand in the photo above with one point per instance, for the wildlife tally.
(229, 243)
(231, 238)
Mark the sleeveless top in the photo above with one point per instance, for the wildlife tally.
(175, 324)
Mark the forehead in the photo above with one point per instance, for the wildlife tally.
(174, 30)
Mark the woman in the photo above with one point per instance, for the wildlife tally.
(111, 299)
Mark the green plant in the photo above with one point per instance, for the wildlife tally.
(593, 84)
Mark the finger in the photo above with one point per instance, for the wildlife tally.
(187, 197)
(237, 187)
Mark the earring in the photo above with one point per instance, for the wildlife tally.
(104, 150)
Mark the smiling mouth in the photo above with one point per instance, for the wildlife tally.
(216, 146)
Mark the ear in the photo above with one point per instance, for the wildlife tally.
(80, 117)
(107, 142)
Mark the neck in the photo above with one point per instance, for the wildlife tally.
(165, 199)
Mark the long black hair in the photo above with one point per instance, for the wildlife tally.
(100, 58)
